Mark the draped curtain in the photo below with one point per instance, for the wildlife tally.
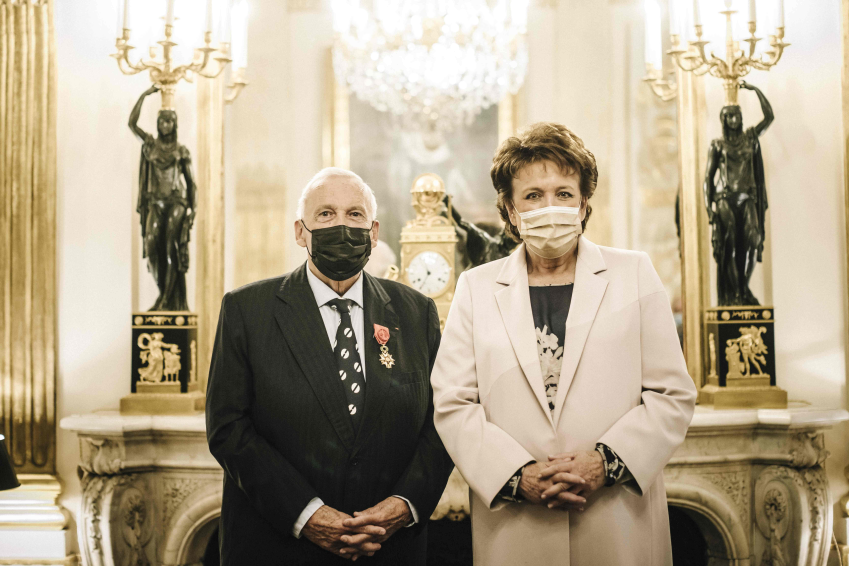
(28, 232)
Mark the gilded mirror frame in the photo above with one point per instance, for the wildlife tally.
(336, 123)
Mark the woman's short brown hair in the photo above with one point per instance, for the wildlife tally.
(543, 141)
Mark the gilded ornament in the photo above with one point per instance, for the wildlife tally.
(746, 351)
(745, 315)
(162, 359)
(712, 351)
(386, 358)
(193, 371)
(427, 192)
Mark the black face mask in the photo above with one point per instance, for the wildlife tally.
(340, 252)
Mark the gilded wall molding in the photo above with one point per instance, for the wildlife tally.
(844, 501)
(694, 226)
(210, 232)
(28, 233)
(336, 119)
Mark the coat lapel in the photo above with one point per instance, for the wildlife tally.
(302, 326)
(514, 303)
(377, 310)
(586, 298)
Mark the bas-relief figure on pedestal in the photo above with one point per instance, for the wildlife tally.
(167, 206)
(736, 213)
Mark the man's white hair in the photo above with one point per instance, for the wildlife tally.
(328, 172)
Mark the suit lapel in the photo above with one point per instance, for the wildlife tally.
(514, 303)
(304, 331)
(376, 310)
(586, 298)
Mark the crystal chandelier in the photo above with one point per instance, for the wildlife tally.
(434, 63)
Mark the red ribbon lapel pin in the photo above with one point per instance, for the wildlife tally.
(381, 334)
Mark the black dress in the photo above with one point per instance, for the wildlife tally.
(550, 307)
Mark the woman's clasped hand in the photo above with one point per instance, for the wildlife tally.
(564, 482)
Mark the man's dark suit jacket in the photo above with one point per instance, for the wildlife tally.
(277, 420)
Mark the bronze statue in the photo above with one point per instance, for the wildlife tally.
(480, 245)
(736, 213)
(166, 206)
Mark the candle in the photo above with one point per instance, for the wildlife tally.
(240, 34)
(654, 49)
(697, 13)
(126, 22)
(673, 17)
(781, 13)
(224, 21)
(169, 14)
(208, 16)
(753, 17)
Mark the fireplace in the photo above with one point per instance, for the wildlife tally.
(746, 487)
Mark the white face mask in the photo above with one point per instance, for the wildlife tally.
(551, 232)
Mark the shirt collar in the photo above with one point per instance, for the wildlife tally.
(323, 293)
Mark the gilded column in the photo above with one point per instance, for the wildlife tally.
(29, 516)
(694, 229)
(210, 230)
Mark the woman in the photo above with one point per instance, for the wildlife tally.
(560, 389)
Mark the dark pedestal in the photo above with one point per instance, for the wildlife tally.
(741, 359)
(164, 361)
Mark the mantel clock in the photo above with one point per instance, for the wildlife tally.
(427, 245)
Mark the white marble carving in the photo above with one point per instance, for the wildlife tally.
(752, 480)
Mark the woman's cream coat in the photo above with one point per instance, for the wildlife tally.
(623, 382)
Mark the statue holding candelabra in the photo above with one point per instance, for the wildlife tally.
(165, 367)
(734, 194)
(166, 205)
(736, 213)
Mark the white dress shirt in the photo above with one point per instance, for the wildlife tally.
(331, 318)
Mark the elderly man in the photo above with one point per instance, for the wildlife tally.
(319, 405)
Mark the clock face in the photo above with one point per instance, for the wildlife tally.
(429, 273)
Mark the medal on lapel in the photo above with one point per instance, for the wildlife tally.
(381, 334)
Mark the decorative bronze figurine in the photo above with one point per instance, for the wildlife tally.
(479, 245)
(166, 206)
(736, 213)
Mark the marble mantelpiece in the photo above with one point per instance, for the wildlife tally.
(752, 480)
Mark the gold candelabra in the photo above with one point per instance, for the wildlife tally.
(693, 57)
(664, 89)
(165, 75)
(237, 83)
